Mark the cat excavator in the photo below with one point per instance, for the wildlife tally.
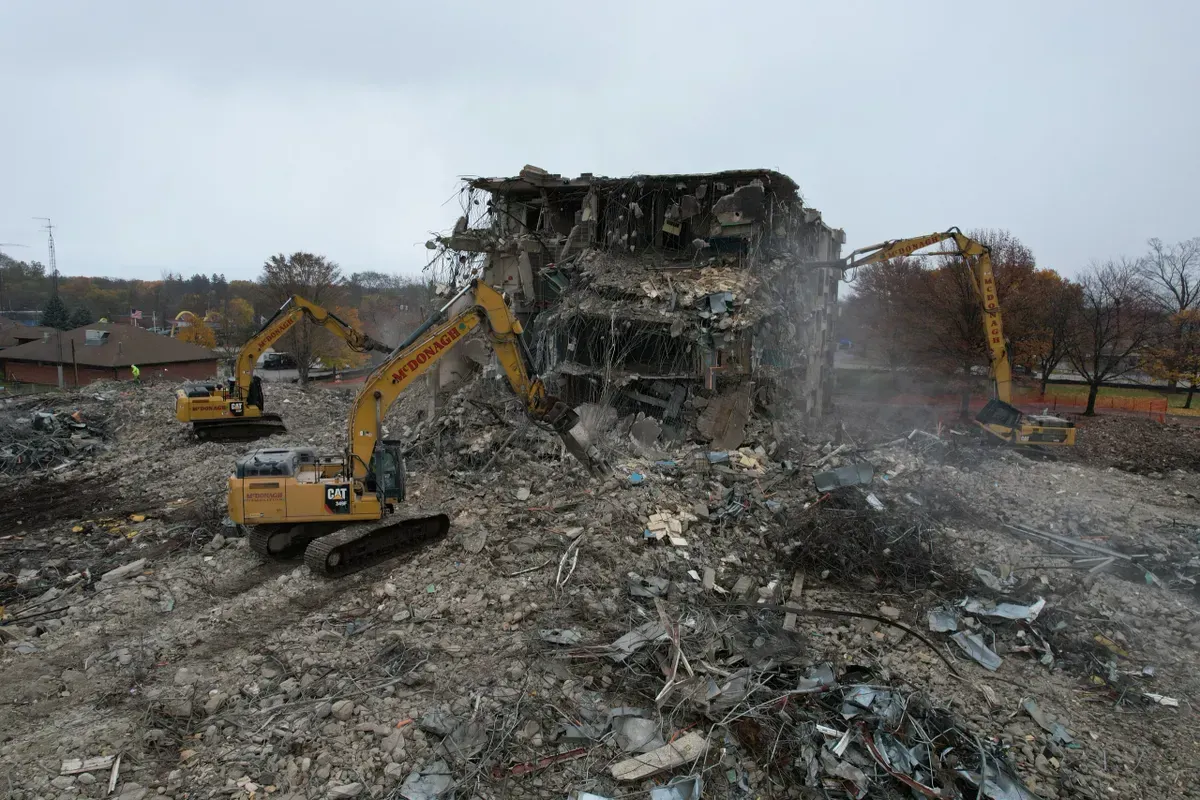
(345, 511)
(234, 411)
(998, 417)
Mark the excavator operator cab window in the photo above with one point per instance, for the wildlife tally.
(254, 396)
(387, 470)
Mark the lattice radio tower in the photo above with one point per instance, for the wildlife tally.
(49, 228)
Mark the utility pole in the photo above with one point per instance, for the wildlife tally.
(49, 228)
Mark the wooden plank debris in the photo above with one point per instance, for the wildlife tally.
(112, 778)
(790, 619)
(75, 766)
(687, 748)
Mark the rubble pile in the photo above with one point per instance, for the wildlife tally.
(38, 435)
(802, 613)
(1140, 445)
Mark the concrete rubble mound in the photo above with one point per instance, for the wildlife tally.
(700, 622)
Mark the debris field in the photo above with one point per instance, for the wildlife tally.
(945, 620)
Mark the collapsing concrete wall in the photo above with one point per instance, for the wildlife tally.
(683, 296)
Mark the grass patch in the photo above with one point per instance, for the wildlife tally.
(1175, 400)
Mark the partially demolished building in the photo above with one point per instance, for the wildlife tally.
(684, 296)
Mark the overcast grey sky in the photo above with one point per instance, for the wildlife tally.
(205, 136)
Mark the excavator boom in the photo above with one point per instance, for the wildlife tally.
(236, 411)
(999, 417)
(333, 508)
(426, 346)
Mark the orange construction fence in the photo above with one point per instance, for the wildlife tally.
(1031, 402)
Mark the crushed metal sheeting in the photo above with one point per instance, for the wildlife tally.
(850, 475)
(972, 644)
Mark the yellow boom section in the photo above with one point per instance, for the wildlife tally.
(282, 321)
(409, 361)
(977, 258)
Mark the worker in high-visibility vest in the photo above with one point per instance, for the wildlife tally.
(137, 373)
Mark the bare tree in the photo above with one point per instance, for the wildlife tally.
(1116, 320)
(1173, 274)
(314, 278)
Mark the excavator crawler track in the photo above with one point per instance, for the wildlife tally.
(359, 546)
(239, 430)
(278, 541)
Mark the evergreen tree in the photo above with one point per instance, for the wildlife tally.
(81, 316)
(55, 315)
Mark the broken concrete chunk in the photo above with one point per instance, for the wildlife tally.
(1057, 730)
(636, 735)
(646, 431)
(724, 419)
(428, 783)
(127, 571)
(560, 636)
(648, 587)
(438, 722)
(465, 741)
(745, 204)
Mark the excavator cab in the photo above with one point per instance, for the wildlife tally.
(1007, 422)
(385, 473)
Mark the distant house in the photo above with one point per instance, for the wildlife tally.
(105, 351)
(15, 333)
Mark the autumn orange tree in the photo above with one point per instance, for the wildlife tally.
(198, 332)
(1048, 319)
(333, 351)
(1176, 358)
(931, 316)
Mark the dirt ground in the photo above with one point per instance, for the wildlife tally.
(485, 665)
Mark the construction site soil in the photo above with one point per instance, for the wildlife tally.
(692, 624)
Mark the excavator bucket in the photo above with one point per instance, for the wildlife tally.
(574, 436)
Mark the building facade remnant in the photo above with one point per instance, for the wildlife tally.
(693, 296)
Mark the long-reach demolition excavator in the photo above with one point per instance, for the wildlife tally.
(330, 507)
(998, 416)
(234, 411)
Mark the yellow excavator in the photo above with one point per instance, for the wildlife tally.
(999, 417)
(233, 411)
(344, 511)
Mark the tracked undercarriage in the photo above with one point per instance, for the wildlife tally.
(238, 429)
(333, 551)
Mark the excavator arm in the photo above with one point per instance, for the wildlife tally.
(977, 258)
(281, 322)
(426, 346)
